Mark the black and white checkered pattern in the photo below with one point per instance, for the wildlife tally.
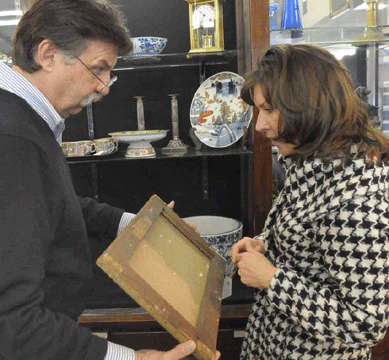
(328, 234)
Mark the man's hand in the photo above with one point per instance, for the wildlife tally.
(242, 246)
(193, 226)
(179, 352)
(171, 204)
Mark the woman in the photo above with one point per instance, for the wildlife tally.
(321, 264)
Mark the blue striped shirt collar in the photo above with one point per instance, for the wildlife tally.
(17, 84)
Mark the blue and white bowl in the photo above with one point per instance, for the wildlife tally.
(148, 46)
(221, 234)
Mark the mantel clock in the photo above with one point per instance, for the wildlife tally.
(206, 25)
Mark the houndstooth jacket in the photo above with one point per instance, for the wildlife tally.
(328, 235)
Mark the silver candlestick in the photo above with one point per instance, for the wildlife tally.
(175, 145)
(140, 112)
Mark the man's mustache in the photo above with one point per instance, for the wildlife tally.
(91, 99)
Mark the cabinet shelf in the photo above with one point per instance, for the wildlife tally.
(324, 36)
(164, 60)
(175, 60)
(192, 152)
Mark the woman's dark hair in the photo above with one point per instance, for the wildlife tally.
(70, 25)
(319, 109)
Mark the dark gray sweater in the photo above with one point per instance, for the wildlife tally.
(45, 259)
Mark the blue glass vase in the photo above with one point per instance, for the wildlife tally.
(291, 18)
(273, 16)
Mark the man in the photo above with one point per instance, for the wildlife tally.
(64, 51)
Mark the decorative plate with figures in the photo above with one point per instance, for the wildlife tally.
(218, 114)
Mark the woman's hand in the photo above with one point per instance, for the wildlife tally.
(255, 269)
(242, 246)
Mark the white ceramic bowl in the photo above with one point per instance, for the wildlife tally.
(148, 45)
(221, 234)
(139, 136)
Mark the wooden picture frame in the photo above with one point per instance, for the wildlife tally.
(169, 270)
(338, 6)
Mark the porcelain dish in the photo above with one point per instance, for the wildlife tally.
(139, 135)
(139, 141)
(78, 148)
(105, 146)
(148, 45)
(218, 114)
(90, 148)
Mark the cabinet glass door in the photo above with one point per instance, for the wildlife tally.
(357, 33)
(10, 13)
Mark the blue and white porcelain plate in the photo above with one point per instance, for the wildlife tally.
(218, 114)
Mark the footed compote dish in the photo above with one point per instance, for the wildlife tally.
(139, 141)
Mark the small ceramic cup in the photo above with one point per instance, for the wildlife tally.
(78, 148)
(105, 145)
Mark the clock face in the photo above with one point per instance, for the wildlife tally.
(203, 16)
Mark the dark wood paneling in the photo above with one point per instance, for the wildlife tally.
(243, 36)
(242, 10)
(260, 38)
(381, 350)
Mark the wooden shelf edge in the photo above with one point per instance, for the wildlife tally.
(119, 315)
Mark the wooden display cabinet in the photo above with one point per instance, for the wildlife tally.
(233, 182)
(136, 329)
(210, 181)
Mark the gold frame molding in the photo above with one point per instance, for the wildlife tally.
(347, 5)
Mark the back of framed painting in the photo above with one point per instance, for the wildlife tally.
(171, 272)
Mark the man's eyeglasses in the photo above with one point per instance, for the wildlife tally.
(106, 86)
